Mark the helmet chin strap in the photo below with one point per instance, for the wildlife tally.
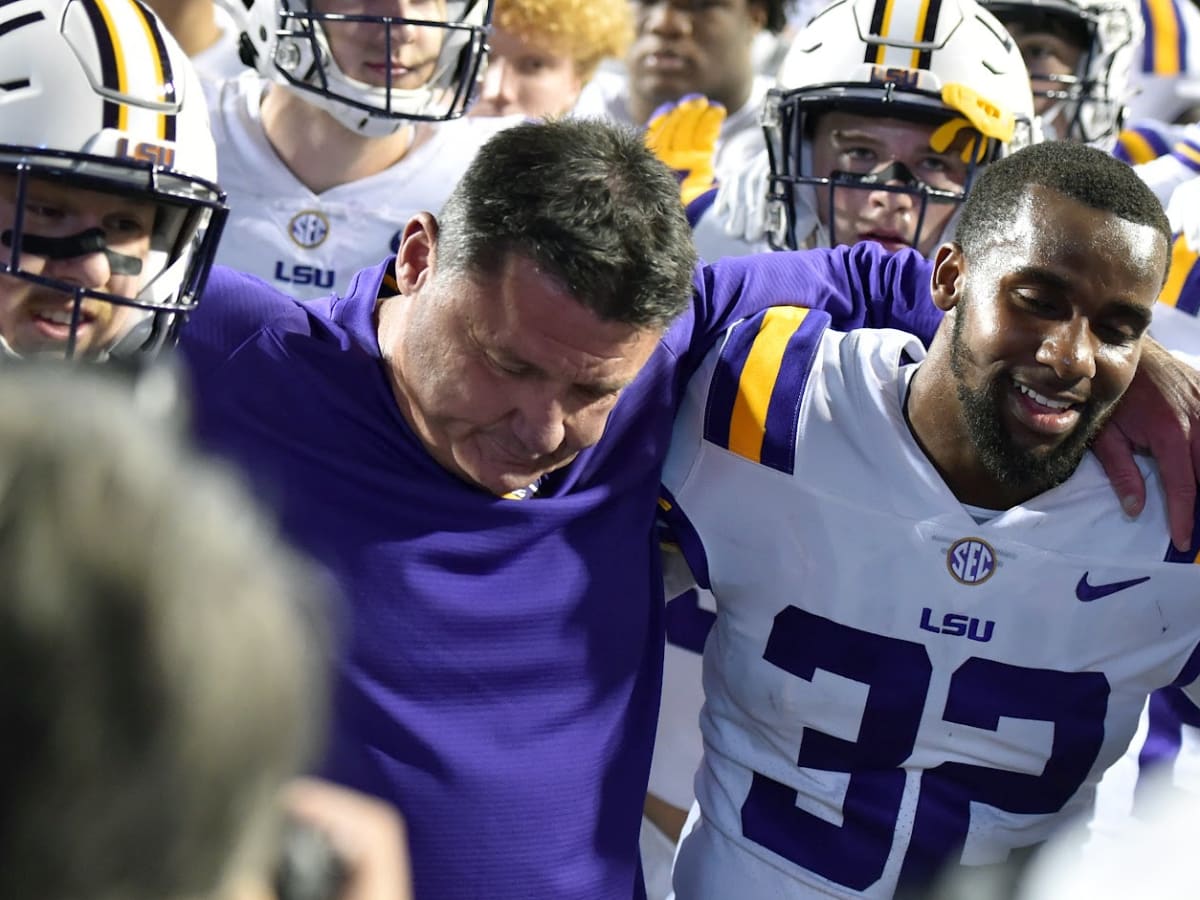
(128, 347)
(82, 244)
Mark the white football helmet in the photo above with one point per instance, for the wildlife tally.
(287, 41)
(949, 64)
(96, 96)
(1090, 104)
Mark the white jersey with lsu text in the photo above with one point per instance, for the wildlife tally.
(891, 685)
(308, 244)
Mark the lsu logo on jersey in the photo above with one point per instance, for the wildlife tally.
(308, 229)
(322, 278)
(971, 560)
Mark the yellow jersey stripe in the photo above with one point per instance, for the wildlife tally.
(1136, 147)
(1163, 34)
(1187, 153)
(1183, 258)
(748, 422)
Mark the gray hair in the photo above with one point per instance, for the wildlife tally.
(586, 201)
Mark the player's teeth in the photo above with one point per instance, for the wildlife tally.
(61, 318)
(1044, 401)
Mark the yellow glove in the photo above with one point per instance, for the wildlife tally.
(684, 136)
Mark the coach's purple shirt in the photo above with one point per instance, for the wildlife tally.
(499, 676)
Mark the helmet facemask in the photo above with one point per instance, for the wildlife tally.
(65, 220)
(109, 211)
(427, 69)
(941, 88)
(803, 201)
(1088, 104)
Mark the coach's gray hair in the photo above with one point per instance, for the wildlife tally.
(161, 653)
(587, 202)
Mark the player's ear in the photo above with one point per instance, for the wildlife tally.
(949, 276)
(417, 255)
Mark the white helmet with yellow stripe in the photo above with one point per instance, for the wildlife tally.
(1087, 103)
(945, 64)
(109, 210)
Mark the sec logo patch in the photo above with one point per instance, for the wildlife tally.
(309, 228)
(971, 560)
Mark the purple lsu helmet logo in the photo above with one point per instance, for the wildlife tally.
(971, 560)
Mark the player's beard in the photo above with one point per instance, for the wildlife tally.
(1010, 464)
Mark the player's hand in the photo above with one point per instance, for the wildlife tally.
(1160, 413)
(1183, 211)
(367, 835)
(683, 135)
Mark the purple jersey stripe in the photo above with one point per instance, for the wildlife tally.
(755, 392)
(680, 529)
(723, 389)
(1164, 49)
(779, 441)
(687, 624)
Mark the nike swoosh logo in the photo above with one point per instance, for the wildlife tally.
(1089, 592)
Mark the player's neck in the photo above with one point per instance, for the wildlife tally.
(935, 417)
(319, 150)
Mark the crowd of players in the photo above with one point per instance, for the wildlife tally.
(455, 311)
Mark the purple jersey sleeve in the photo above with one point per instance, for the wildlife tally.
(858, 286)
(234, 309)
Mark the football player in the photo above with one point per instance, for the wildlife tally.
(1080, 55)
(880, 122)
(909, 672)
(109, 214)
(872, 137)
(683, 47)
(1091, 62)
(1097, 63)
(350, 124)
(876, 127)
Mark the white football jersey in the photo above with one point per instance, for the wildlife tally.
(892, 685)
(308, 244)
